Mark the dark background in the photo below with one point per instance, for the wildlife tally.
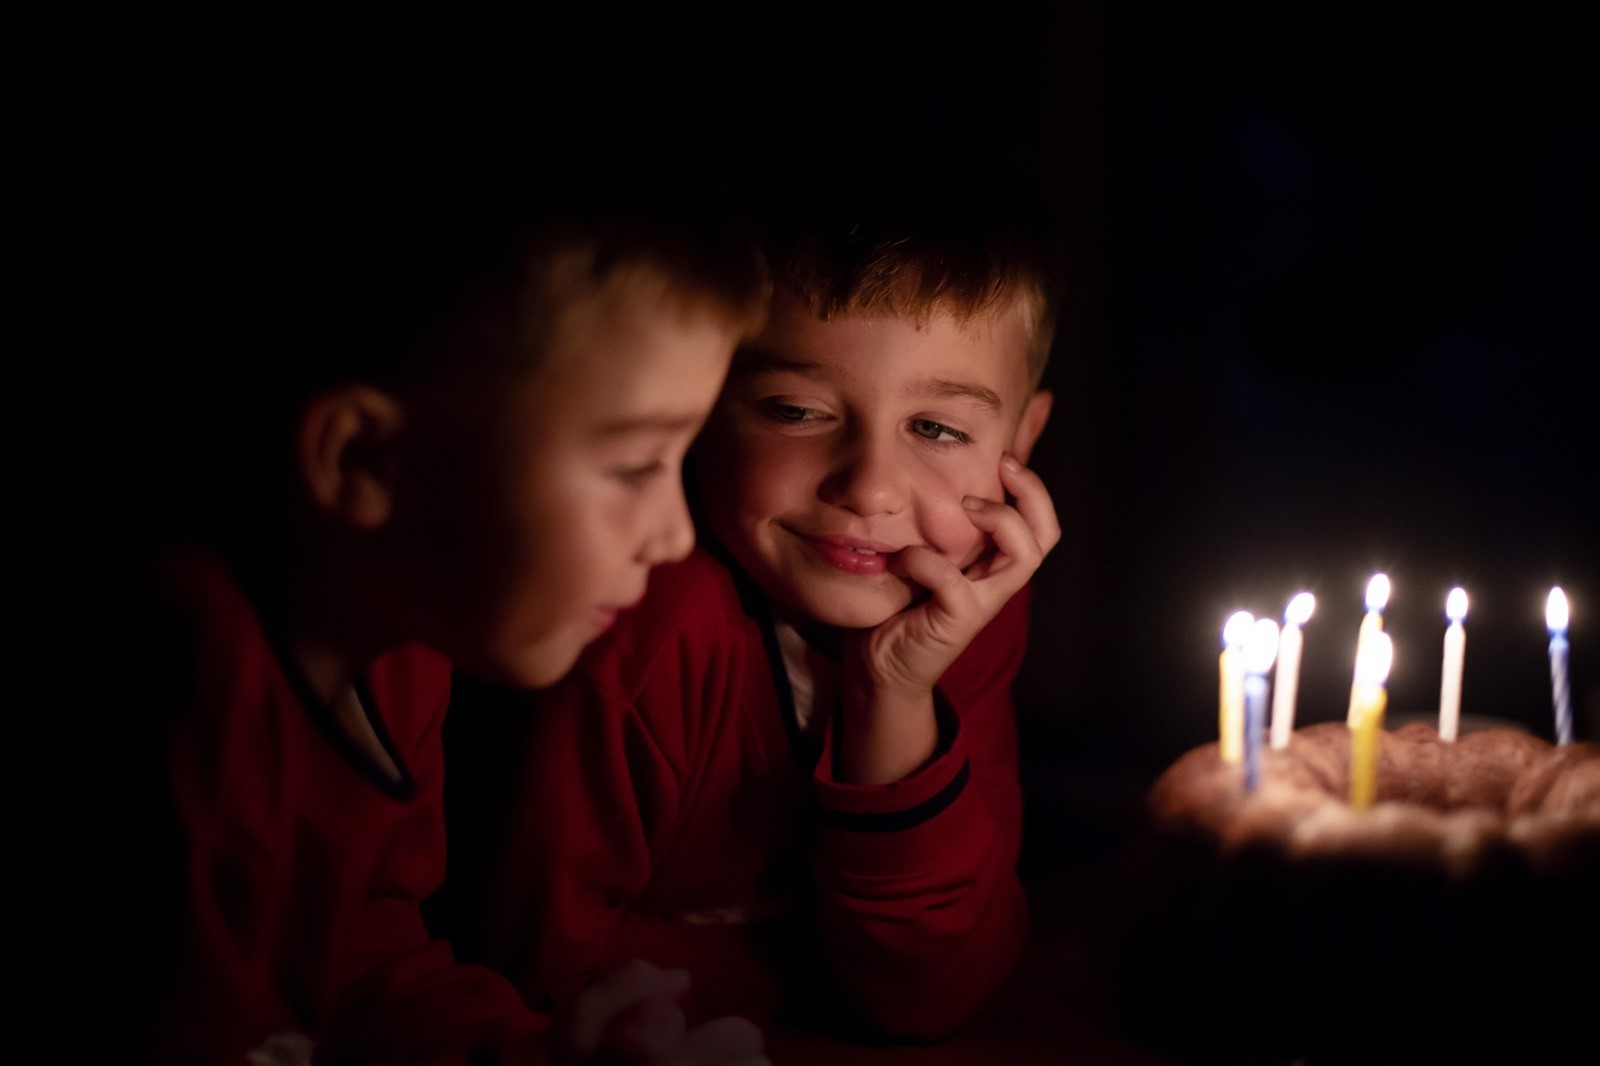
(1332, 301)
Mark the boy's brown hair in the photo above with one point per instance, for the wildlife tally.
(878, 235)
(420, 252)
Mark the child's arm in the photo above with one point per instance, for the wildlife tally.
(921, 911)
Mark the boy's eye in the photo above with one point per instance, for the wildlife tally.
(638, 475)
(928, 429)
(790, 413)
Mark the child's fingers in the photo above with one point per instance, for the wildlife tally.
(1033, 501)
(644, 1028)
(1017, 550)
(610, 996)
(935, 573)
(720, 1042)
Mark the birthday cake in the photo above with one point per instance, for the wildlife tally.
(1456, 919)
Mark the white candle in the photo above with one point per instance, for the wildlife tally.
(1287, 681)
(1555, 619)
(1455, 646)
(1371, 623)
(1259, 652)
(1230, 695)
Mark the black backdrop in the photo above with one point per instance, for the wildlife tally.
(1332, 275)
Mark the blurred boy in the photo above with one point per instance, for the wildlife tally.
(450, 391)
(803, 738)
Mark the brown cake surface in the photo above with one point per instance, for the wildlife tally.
(1451, 911)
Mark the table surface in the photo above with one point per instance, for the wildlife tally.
(1048, 1015)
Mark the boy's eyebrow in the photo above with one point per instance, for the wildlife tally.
(756, 361)
(945, 389)
(664, 423)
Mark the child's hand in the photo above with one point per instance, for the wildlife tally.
(632, 1018)
(889, 728)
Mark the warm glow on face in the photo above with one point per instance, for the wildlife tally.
(1237, 629)
(1378, 592)
(1455, 604)
(1377, 655)
(1262, 646)
(1555, 611)
(1300, 609)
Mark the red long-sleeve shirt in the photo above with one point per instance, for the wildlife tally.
(305, 868)
(668, 807)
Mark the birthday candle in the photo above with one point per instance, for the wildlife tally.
(1230, 695)
(1555, 619)
(1371, 622)
(1366, 717)
(1287, 679)
(1259, 651)
(1455, 644)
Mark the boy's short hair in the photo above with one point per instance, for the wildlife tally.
(907, 236)
(354, 252)
(405, 248)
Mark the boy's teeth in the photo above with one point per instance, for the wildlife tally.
(863, 551)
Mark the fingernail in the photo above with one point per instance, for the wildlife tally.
(973, 503)
(1010, 462)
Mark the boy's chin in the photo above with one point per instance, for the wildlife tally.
(536, 667)
(855, 612)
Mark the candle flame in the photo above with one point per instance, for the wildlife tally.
(1262, 647)
(1455, 604)
(1300, 609)
(1237, 628)
(1372, 665)
(1555, 611)
(1378, 592)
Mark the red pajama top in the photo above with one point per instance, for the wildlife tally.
(667, 807)
(305, 869)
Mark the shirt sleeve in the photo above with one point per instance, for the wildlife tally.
(922, 915)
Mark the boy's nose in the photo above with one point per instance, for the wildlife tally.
(671, 536)
(867, 479)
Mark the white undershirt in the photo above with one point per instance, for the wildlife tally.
(356, 725)
(813, 678)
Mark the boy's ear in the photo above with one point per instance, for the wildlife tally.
(348, 444)
(1034, 416)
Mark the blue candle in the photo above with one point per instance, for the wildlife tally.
(1555, 619)
(1259, 652)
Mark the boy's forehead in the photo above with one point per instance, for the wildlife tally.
(967, 356)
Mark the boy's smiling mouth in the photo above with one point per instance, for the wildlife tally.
(852, 555)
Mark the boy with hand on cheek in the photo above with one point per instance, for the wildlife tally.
(462, 379)
(809, 774)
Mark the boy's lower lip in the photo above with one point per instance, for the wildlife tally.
(848, 560)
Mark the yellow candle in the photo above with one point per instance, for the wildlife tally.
(1367, 704)
(1287, 683)
(1455, 646)
(1371, 623)
(1230, 692)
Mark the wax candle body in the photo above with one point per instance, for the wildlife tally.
(1556, 617)
(1255, 712)
(1287, 681)
(1455, 643)
(1230, 704)
(1559, 693)
(1366, 718)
